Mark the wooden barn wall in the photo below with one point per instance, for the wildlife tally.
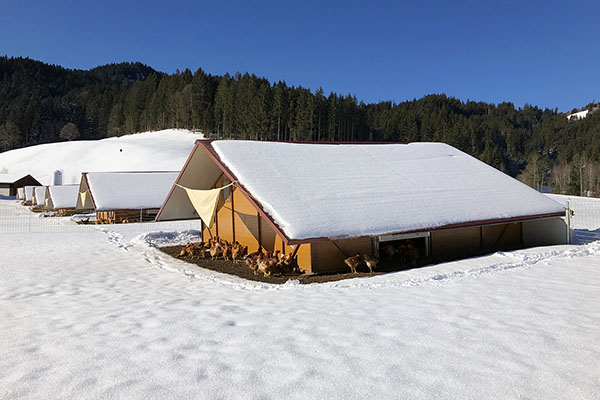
(304, 257)
(451, 242)
(476, 240)
(545, 232)
(237, 220)
(246, 222)
(128, 216)
(327, 257)
(501, 237)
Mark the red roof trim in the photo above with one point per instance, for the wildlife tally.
(127, 172)
(302, 142)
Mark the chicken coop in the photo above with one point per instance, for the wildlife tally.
(39, 196)
(326, 202)
(61, 198)
(123, 197)
(28, 195)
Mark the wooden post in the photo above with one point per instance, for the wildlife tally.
(232, 214)
(500, 237)
(259, 231)
(340, 249)
(481, 238)
(521, 236)
(217, 220)
(201, 230)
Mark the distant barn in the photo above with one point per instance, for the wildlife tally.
(325, 202)
(61, 198)
(9, 183)
(118, 197)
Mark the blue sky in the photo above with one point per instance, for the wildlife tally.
(544, 53)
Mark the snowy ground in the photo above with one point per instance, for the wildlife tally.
(99, 313)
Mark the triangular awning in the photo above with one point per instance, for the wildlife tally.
(205, 202)
(82, 196)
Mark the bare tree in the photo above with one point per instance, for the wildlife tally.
(70, 132)
(591, 178)
(560, 177)
(580, 163)
(534, 172)
(10, 134)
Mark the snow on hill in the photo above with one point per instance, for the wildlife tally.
(578, 115)
(164, 150)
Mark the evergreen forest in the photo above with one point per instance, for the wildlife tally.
(42, 103)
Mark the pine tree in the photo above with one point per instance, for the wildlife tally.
(303, 124)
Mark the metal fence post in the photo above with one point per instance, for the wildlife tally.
(568, 215)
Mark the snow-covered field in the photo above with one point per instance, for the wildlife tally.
(90, 312)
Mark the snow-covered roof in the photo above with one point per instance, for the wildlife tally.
(40, 195)
(64, 196)
(12, 178)
(129, 190)
(29, 193)
(9, 178)
(351, 190)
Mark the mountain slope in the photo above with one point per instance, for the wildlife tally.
(149, 151)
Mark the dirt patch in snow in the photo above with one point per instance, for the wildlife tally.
(241, 270)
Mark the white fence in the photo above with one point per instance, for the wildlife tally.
(585, 219)
(15, 218)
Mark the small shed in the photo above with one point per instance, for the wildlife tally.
(325, 202)
(39, 196)
(28, 195)
(118, 197)
(61, 198)
(9, 183)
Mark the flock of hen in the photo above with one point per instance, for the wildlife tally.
(407, 253)
(266, 262)
(269, 262)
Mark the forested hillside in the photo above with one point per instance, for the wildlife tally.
(41, 103)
